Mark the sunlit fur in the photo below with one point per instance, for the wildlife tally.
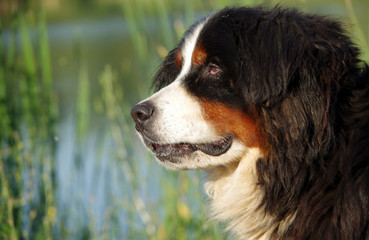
(291, 92)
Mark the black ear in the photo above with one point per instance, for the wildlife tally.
(295, 68)
(168, 70)
(281, 49)
(268, 48)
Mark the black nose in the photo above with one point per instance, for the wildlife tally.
(141, 113)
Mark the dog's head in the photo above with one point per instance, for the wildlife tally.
(241, 79)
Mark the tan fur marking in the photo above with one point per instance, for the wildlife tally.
(232, 121)
(179, 59)
(199, 56)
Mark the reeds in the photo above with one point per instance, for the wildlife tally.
(26, 145)
(155, 203)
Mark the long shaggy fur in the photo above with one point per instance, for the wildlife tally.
(306, 83)
(301, 78)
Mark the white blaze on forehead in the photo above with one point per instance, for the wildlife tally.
(187, 50)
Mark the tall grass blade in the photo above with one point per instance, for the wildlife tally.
(139, 39)
(7, 230)
(165, 27)
(363, 42)
(45, 60)
(4, 119)
(29, 64)
(117, 125)
(83, 102)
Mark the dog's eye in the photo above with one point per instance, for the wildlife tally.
(213, 69)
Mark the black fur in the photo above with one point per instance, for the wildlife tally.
(310, 90)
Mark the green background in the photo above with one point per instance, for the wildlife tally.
(71, 165)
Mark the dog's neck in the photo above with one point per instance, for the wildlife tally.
(241, 204)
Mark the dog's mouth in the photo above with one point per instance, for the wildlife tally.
(178, 150)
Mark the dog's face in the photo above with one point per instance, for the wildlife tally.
(242, 79)
(199, 119)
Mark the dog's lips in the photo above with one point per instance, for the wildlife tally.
(216, 148)
(175, 150)
(169, 151)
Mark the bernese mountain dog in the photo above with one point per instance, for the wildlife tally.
(274, 106)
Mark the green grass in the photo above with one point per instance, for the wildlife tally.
(358, 31)
(30, 122)
(26, 161)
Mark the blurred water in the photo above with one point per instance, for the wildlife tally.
(91, 182)
(86, 178)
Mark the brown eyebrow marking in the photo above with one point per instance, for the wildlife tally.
(199, 56)
(178, 58)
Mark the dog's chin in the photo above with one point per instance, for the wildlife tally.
(179, 156)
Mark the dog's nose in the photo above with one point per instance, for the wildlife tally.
(141, 113)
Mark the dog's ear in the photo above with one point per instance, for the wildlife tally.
(268, 50)
(168, 70)
(281, 51)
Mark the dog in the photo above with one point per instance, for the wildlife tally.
(274, 105)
